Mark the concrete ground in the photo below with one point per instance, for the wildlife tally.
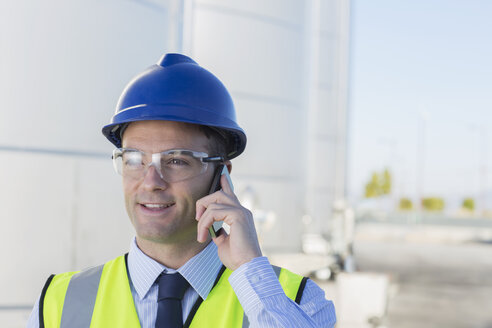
(435, 282)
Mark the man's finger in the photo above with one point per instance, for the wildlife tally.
(219, 197)
(225, 183)
(203, 203)
(200, 208)
(215, 212)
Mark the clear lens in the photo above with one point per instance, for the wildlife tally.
(117, 160)
(172, 165)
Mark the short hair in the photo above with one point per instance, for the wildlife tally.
(218, 140)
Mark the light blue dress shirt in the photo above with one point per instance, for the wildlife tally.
(254, 283)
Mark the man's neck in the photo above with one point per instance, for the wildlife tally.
(172, 256)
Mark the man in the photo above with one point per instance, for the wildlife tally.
(174, 127)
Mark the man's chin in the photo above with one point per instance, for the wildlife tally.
(167, 236)
(159, 237)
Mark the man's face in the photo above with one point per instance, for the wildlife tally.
(160, 211)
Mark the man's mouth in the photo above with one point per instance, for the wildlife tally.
(157, 206)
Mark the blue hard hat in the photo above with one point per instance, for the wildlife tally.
(178, 89)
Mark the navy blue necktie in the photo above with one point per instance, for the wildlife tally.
(172, 288)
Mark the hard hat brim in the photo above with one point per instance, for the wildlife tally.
(177, 113)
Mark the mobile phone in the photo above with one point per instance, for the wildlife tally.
(215, 186)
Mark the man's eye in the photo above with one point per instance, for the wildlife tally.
(177, 161)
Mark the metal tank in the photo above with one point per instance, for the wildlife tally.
(286, 66)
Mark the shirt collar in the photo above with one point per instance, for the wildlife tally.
(200, 271)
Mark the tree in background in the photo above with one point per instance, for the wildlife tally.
(434, 204)
(372, 187)
(405, 204)
(468, 204)
(379, 184)
(386, 182)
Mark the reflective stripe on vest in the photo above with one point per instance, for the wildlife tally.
(81, 298)
(101, 297)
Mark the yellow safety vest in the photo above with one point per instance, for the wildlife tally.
(101, 297)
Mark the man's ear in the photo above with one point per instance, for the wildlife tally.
(229, 166)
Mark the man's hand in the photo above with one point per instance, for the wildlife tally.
(241, 244)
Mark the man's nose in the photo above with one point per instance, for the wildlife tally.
(153, 179)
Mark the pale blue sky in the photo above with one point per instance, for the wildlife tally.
(415, 57)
